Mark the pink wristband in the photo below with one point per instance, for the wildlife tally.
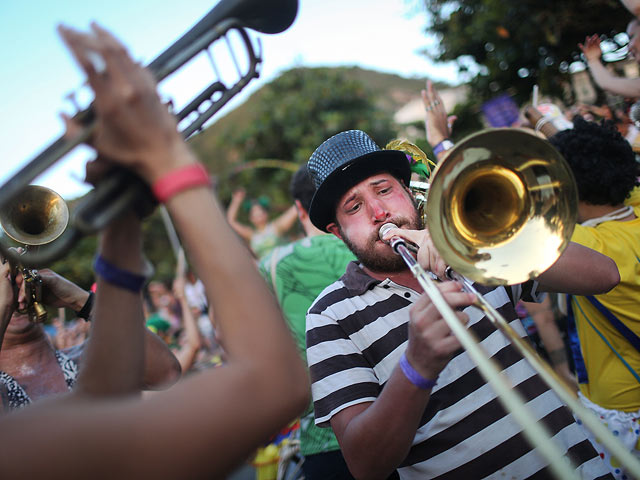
(183, 178)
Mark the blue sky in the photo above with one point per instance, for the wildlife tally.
(38, 73)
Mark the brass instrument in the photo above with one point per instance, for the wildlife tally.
(35, 217)
(122, 189)
(500, 195)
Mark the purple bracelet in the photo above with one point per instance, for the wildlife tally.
(445, 144)
(117, 276)
(414, 377)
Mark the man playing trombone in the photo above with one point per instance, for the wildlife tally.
(387, 374)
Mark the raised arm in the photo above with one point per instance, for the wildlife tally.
(633, 6)
(232, 215)
(436, 120)
(286, 220)
(59, 292)
(187, 353)
(628, 87)
(114, 358)
(262, 386)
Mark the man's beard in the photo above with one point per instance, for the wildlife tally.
(375, 261)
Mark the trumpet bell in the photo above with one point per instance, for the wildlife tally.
(502, 206)
(36, 216)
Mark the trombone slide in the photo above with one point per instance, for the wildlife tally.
(513, 402)
(537, 435)
(586, 416)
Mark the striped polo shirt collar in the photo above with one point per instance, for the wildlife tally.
(357, 281)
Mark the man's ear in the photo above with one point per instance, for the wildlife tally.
(333, 228)
(302, 213)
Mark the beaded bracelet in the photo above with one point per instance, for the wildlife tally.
(414, 377)
(117, 276)
(183, 178)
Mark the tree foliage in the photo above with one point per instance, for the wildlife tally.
(293, 116)
(520, 43)
(305, 106)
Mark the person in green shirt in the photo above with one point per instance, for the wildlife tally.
(297, 273)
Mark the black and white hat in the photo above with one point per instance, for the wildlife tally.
(343, 161)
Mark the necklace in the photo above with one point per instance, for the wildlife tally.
(615, 215)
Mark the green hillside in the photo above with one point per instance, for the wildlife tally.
(217, 147)
(390, 91)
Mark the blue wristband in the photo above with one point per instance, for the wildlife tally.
(414, 377)
(118, 277)
(444, 145)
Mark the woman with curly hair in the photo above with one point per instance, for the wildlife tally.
(605, 329)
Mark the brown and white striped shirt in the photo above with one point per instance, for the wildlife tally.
(356, 333)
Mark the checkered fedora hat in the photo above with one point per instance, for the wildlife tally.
(343, 161)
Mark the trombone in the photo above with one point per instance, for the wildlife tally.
(497, 194)
(121, 189)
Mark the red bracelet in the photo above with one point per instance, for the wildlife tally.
(183, 178)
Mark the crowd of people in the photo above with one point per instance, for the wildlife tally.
(332, 331)
(178, 316)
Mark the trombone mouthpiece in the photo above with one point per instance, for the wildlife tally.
(385, 228)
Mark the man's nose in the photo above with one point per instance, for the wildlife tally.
(379, 210)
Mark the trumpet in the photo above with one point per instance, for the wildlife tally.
(36, 217)
(121, 189)
(499, 193)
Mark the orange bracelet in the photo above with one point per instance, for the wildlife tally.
(182, 178)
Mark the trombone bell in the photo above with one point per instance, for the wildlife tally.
(489, 204)
(502, 206)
